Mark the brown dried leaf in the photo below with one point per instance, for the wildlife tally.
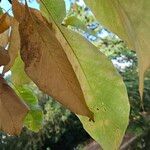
(4, 38)
(19, 13)
(4, 57)
(14, 45)
(12, 110)
(5, 22)
(47, 64)
(18, 10)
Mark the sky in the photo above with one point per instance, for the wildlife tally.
(6, 5)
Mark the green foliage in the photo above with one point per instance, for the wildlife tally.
(34, 118)
(19, 76)
(65, 129)
(81, 19)
(78, 25)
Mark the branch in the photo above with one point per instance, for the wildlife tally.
(126, 145)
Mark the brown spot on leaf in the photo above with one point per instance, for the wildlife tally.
(47, 64)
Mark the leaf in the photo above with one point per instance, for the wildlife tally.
(46, 62)
(4, 38)
(16, 64)
(14, 45)
(73, 21)
(4, 57)
(19, 77)
(34, 118)
(130, 21)
(12, 110)
(5, 22)
(103, 88)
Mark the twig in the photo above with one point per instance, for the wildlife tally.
(125, 145)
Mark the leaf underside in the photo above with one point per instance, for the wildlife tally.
(131, 22)
(103, 88)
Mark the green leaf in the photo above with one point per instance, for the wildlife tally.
(19, 76)
(130, 21)
(73, 21)
(103, 88)
(34, 118)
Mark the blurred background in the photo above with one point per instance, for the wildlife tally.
(59, 129)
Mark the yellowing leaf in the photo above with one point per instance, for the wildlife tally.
(14, 45)
(12, 110)
(5, 22)
(103, 88)
(47, 64)
(4, 57)
(130, 21)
